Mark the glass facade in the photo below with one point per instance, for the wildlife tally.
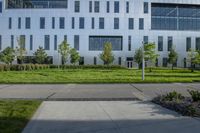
(96, 43)
(175, 17)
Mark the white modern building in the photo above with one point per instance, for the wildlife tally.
(88, 24)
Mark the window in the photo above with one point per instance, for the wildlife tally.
(23, 41)
(160, 43)
(198, 43)
(108, 6)
(19, 23)
(31, 42)
(62, 22)
(53, 22)
(76, 6)
(165, 60)
(131, 23)
(73, 22)
(129, 43)
(12, 41)
(81, 61)
(96, 43)
(47, 42)
(0, 42)
(95, 60)
(65, 37)
(120, 61)
(188, 43)
(146, 7)
(55, 42)
(28, 23)
(76, 42)
(141, 23)
(145, 39)
(10, 23)
(90, 6)
(0, 7)
(81, 23)
(170, 43)
(116, 23)
(116, 7)
(96, 6)
(127, 7)
(101, 23)
(42, 23)
(93, 23)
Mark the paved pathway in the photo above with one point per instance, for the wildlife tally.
(108, 117)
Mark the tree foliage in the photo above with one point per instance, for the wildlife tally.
(172, 57)
(20, 49)
(193, 58)
(40, 55)
(107, 56)
(138, 57)
(64, 50)
(74, 56)
(7, 55)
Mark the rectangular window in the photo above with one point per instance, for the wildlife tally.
(28, 23)
(93, 23)
(116, 7)
(42, 23)
(19, 23)
(160, 43)
(127, 7)
(47, 42)
(0, 7)
(108, 6)
(10, 23)
(165, 60)
(53, 22)
(146, 7)
(31, 42)
(73, 22)
(81, 23)
(145, 39)
(65, 37)
(81, 61)
(62, 22)
(131, 23)
(0, 42)
(76, 42)
(96, 43)
(76, 6)
(188, 43)
(129, 43)
(12, 41)
(170, 43)
(198, 43)
(101, 23)
(120, 61)
(90, 6)
(116, 23)
(96, 6)
(95, 60)
(23, 41)
(55, 42)
(141, 23)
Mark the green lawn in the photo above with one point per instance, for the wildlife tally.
(14, 115)
(98, 76)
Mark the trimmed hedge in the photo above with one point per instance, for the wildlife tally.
(23, 67)
(87, 66)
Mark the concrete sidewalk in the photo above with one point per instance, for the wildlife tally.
(108, 117)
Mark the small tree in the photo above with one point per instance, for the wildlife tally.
(74, 56)
(191, 59)
(7, 55)
(197, 58)
(172, 57)
(20, 50)
(107, 56)
(150, 54)
(40, 55)
(64, 50)
(138, 57)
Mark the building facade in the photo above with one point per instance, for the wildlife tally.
(88, 24)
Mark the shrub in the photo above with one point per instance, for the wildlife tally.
(173, 96)
(195, 95)
(87, 67)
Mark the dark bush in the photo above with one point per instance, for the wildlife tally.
(195, 95)
(173, 96)
(23, 67)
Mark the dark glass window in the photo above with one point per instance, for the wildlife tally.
(108, 6)
(120, 61)
(28, 23)
(116, 23)
(129, 43)
(116, 7)
(101, 23)
(141, 23)
(76, 6)
(23, 41)
(47, 42)
(131, 23)
(90, 6)
(0, 7)
(188, 43)
(95, 60)
(198, 43)
(10, 23)
(62, 22)
(12, 41)
(145, 39)
(0, 42)
(170, 43)
(96, 6)
(19, 23)
(42, 23)
(165, 60)
(160, 43)
(127, 7)
(76, 42)
(96, 43)
(81, 23)
(73, 22)
(53, 22)
(31, 42)
(65, 37)
(146, 7)
(55, 42)
(81, 61)
(93, 23)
